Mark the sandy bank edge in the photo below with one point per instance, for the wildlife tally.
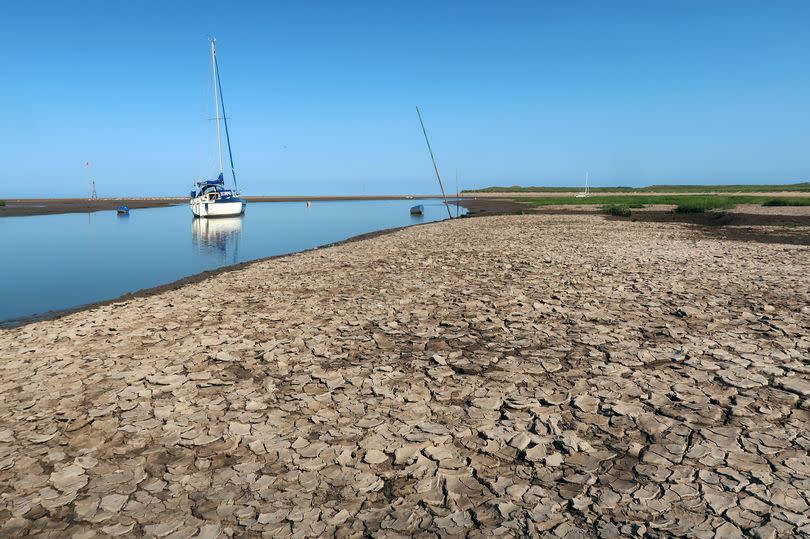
(197, 277)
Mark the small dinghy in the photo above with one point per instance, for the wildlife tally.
(587, 192)
(417, 210)
(122, 210)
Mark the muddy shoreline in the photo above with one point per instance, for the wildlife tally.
(21, 207)
(198, 277)
(191, 279)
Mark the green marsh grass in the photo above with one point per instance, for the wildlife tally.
(686, 203)
(792, 201)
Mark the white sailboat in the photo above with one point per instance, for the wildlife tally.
(211, 198)
(587, 191)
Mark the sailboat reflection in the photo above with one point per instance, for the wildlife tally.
(219, 237)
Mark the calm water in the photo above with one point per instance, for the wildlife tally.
(53, 262)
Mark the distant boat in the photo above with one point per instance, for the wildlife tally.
(211, 198)
(309, 203)
(587, 191)
(122, 210)
(417, 210)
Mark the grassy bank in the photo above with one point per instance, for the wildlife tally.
(804, 186)
(621, 204)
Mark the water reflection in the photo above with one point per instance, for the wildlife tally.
(219, 237)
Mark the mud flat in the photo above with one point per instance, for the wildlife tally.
(568, 375)
(17, 207)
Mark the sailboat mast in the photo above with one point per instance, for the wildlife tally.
(457, 194)
(216, 103)
(436, 168)
(225, 121)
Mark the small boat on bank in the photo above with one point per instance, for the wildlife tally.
(122, 210)
(435, 166)
(587, 192)
(417, 210)
(211, 198)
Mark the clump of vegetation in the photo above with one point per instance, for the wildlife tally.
(701, 204)
(2, 202)
(797, 201)
(690, 208)
(618, 210)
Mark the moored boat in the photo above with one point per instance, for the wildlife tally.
(211, 198)
(122, 210)
(587, 192)
(417, 210)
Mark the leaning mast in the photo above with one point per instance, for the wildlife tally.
(436, 168)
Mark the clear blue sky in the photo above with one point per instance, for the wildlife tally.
(321, 95)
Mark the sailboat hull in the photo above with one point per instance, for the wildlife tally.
(229, 208)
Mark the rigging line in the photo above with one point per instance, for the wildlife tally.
(436, 168)
(227, 135)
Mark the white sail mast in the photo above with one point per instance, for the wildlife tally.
(216, 103)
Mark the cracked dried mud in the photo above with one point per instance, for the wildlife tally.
(536, 375)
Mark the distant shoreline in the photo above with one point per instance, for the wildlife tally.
(648, 189)
(477, 202)
(20, 207)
